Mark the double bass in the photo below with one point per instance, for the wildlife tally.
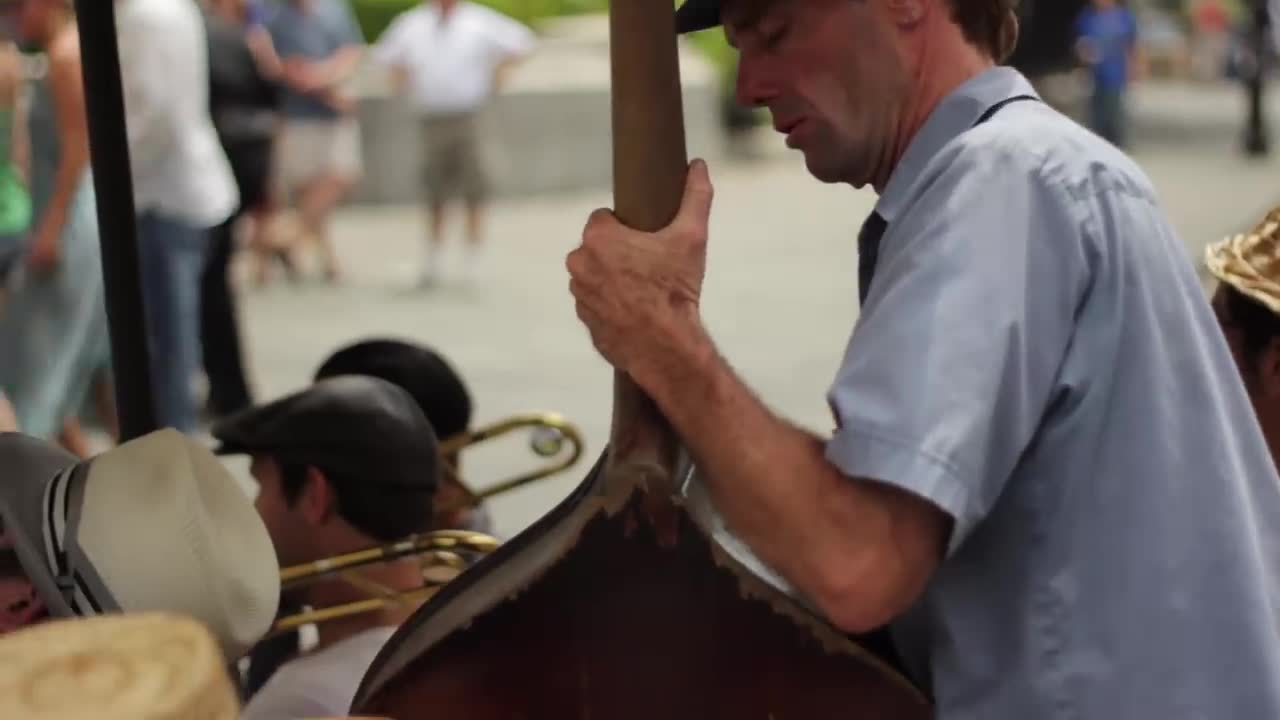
(628, 599)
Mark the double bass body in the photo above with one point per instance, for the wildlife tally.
(593, 614)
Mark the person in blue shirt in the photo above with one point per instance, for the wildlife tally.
(1047, 479)
(1107, 43)
(319, 154)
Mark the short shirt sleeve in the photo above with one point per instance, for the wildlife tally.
(345, 24)
(280, 26)
(393, 47)
(955, 357)
(506, 36)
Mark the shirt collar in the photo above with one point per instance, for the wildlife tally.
(957, 112)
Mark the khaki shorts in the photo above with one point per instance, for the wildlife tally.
(311, 149)
(455, 157)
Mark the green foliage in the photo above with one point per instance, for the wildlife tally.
(713, 44)
(375, 15)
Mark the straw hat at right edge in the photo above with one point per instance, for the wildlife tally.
(1250, 262)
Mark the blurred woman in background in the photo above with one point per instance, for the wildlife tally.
(53, 327)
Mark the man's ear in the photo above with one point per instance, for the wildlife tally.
(317, 502)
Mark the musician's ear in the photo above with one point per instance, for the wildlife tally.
(317, 501)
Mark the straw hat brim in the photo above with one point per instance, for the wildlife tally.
(146, 666)
(1250, 262)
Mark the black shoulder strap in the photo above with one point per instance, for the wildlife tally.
(1000, 105)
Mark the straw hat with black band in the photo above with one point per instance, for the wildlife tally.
(155, 524)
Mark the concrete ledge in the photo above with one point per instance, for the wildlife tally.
(550, 125)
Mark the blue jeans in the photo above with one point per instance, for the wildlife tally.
(172, 255)
(1107, 115)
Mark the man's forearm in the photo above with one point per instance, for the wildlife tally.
(768, 478)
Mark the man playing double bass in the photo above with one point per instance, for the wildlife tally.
(1035, 482)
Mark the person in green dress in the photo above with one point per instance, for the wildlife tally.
(53, 327)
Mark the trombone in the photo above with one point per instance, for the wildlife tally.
(441, 546)
(443, 551)
(551, 432)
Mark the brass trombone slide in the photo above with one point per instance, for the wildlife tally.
(551, 432)
(442, 546)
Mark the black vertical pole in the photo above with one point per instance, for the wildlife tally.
(1255, 138)
(117, 226)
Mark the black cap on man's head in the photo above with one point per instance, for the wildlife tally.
(352, 426)
(695, 15)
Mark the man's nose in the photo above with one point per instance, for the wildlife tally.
(752, 87)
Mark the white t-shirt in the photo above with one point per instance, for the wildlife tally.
(451, 64)
(179, 167)
(319, 684)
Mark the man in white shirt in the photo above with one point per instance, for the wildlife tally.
(182, 182)
(447, 58)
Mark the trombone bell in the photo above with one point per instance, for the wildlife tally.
(551, 433)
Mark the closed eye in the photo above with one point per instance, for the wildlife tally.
(772, 36)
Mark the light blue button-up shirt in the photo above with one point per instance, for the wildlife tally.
(314, 31)
(1037, 358)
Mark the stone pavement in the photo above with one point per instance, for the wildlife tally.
(780, 296)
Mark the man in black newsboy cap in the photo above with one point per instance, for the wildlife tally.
(348, 463)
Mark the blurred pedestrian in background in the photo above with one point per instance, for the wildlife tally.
(53, 331)
(448, 59)
(319, 158)
(182, 181)
(1107, 43)
(1211, 39)
(244, 100)
(15, 201)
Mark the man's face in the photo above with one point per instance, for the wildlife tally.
(833, 73)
